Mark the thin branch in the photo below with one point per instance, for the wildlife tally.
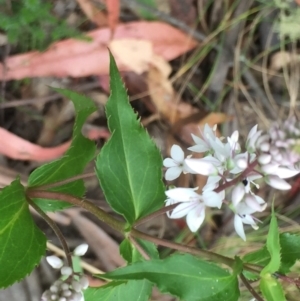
(139, 247)
(55, 229)
(154, 214)
(250, 288)
(85, 204)
(66, 181)
(176, 246)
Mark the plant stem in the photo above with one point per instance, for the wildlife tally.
(139, 247)
(238, 179)
(55, 229)
(191, 250)
(120, 226)
(155, 214)
(176, 246)
(85, 204)
(66, 181)
(250, 288)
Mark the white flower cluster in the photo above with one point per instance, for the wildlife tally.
(265, 156)
(71, 285)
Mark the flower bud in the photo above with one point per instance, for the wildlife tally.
(54, 261)
(80, 250)
(66, 271)
(264, 159)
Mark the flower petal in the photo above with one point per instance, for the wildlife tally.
(238, 193)
(203, 167)
(54, 261)
(183, 194)
(177, 153)
(213, 199)
(80, 250)
(285, 173)
(168, 162)
(173, 173)
(239, 227)
(182, 209)
(252, 202)
(277, 183)
(195, 218)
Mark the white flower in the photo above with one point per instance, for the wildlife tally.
(203, 144)
(192, 205)
(176, 164)
(242, 216)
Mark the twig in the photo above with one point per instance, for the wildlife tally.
(250, 288)
(139, 247)
(69, 180)
(55, 228)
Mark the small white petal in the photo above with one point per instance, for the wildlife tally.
(177, 153)
(54, 261)
(200, 147)
(183, 209)
(80, 250)
(270, 168)
(285, 173)
(173, 173)
(239, 227)
(277, 183)
(168, 162)
(251, 143)
(182, 194)
(252, 132)
(238, 193)
(195, 218)
(203, 167)
(252, 202)
(212, 199)
(212, 183)
(235, 136)
(259, 199)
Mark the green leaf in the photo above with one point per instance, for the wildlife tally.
(290, 251)
(22, 244)
(185, 276)
(120, 291)
(271, 288)
(260, 257)
(81, 151)
(238, 266)
(129, 165)
(273, 246)
(131, 254)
